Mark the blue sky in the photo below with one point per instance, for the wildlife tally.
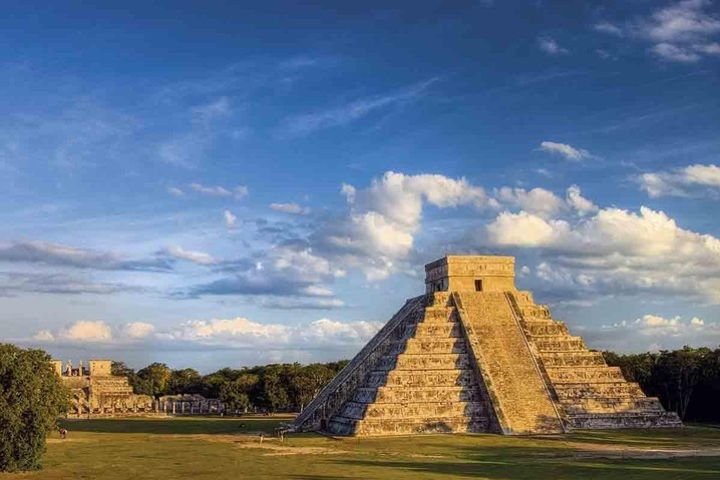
(209, 184)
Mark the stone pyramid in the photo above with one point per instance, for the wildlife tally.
(474, 354)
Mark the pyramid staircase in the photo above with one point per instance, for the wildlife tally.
(464, 360)
(425, 383)
(588, 392)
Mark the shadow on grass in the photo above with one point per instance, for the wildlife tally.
(177, 426)
(496, 457)
(504, 467)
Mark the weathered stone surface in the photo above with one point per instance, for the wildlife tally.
(96, 392)
(476, 355)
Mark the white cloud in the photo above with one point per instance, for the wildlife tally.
(564, 150)
(44, 336)
(618, 251)
(384, 218)
(238, 192)
(237, 329)
(538, 200)
(325, 330)
(550, 46)
(687, 181)
(656, 332)
(523, 230)
(683, 21)
(138, 329)
(292, 208)
(86, 331)
(241, 332)
(682, 31)
(201, 258)
(609, 28)
(175, 192)
(675, 53)
(230, 219)
(579, 203)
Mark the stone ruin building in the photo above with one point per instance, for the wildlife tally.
(95, 391)
(474, 354)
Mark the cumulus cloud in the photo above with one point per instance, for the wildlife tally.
(550, 46)
(236, 332)
(241, 332)
(175, 192)
(616, 250)
(86, 331)
(383, 219)
(201, 258)
(687, 181)
(292, 208)
(138, 329)
(538, 200)
(564, 150)
(524, 229)
(580, 204)
(238, 192)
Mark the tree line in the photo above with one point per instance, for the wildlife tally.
(272, 388)
(687, 381)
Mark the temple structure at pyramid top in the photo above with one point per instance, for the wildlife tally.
(474, 354)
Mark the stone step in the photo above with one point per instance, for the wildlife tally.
(428, 378)
(424, 345)
(438, 330)
(623, 420)
(553, 359)
(378, 427)
(612, 405)
(404, 394)
(434, 361)
(433, 315)
(411, 410)
(533, 311)
(573, 391)
(588, 374)
(560, 344)
(545, 328)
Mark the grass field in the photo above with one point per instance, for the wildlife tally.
(213, 448)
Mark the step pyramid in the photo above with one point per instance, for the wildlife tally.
(476, 355)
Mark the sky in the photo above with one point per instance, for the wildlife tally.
(212, 184)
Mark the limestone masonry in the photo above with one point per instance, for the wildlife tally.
(474, 354)
(95, 391)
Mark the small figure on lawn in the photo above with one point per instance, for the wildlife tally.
(63, 433)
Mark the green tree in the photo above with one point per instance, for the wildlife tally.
(275, 387)
(307, 382)
(31, 398)
(235, 394)
(153, 379)
(186, 380)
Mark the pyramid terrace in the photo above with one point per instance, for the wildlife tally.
(474, 354)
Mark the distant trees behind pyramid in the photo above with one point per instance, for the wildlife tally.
(474, 354)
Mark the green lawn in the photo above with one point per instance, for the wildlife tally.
(213, 448)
